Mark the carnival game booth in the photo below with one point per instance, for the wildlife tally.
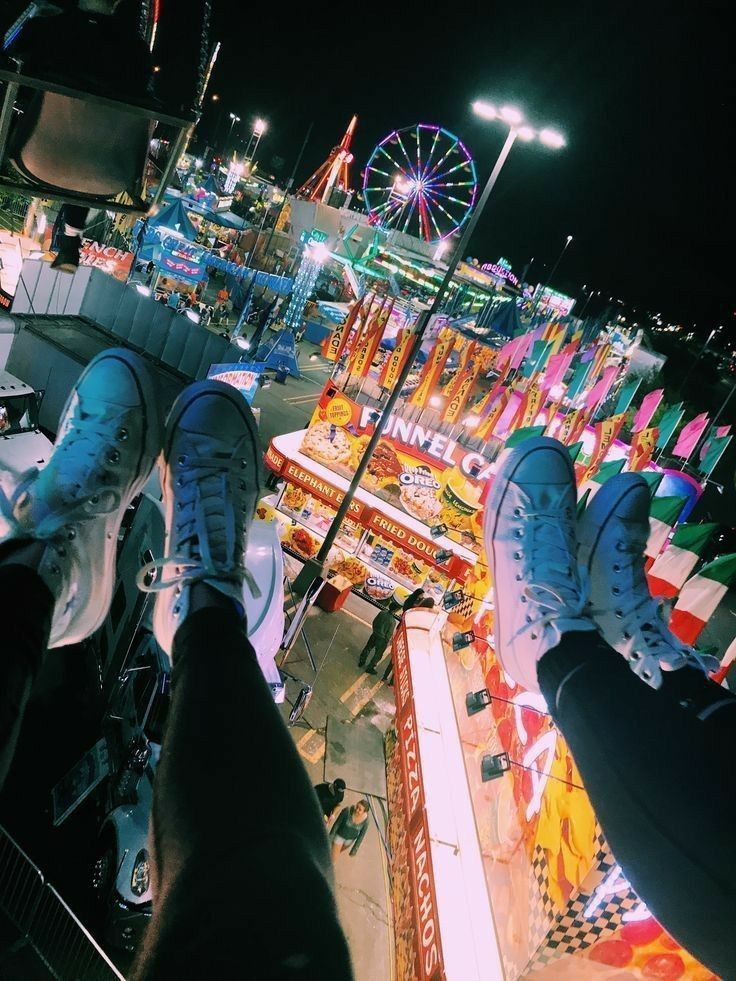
(499, 868)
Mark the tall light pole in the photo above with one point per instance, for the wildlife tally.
(259, 128)
(233, 120)
(692, 366)
(517, 129)
(552, 273)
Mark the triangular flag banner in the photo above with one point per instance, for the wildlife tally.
(454, 383)
(529, 409)
(690, 435)
(642, 448)
(600, 390)
(663, 515)
(672, 567)
(668, 424)
(489, 423)
(647, 409)
(606, 432)
(700, 596)
(583, 502)
(456, 402)
(537, 360)
(625, 396)
(599, 359)
(714, 449)
(521, 434)
(556, 368)
(727, 662)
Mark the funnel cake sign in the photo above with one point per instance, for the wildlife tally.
(422, 472)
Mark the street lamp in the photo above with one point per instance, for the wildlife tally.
(552, 273)
(233, 120)
(514, 119)
(259, 128)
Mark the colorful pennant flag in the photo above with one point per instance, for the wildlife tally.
(485, 429)
(537, 360)
(578, 381)
(574, 450)
(648, 407)
(431, 372)
(653, 478)
(457, 399)
(572, 425)
(626, 395)
(529, 408)
(642, 448)
(671, 568)
(711, 452)
(690, 436)
(599, 359)
(668, 424)
(606, 432)
(663, 515)
(700, 597)
(600, 390)
(604, 472)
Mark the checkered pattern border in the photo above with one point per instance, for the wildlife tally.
(573, 931)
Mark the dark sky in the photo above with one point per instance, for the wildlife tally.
(642, 95)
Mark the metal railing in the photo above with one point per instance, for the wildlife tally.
(13, 209)
(44, 921)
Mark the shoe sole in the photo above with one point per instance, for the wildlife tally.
(493, 505)
(594, 520)
(151, 444)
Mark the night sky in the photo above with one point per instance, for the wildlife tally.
(641, 96)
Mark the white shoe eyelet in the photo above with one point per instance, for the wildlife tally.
(518, 577)
(616, 567)
(528, 619)
(627, 635)
(179, 482)
(518, 533)
(122, 435)
(615, 590)
(113, 456)
(518, 556)
(534, 636)
(518, 512)
(177, 609)
(634, 656)
(95, 499)
(181, 460)
(523, 598)
(71, 533)
(619, 614)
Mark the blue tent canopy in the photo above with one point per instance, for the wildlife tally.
(211, 186)
(279, 284)
(506, 320)
(174, 220)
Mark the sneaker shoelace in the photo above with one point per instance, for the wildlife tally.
(209, 534)
(654, 647)
(64, 484)
(553, 585)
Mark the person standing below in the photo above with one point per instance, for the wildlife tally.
(423, 603)
(382, 631)
(330, 796)
(413, 599)
(349, 829)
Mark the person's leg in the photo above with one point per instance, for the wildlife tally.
(70, 242)
(28, 606)
(380, 650)
(240, 858)
(57, 558)
(369, 646)
(659, 770)
(653, 749)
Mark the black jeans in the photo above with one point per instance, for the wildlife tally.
(240, 856)
(660, 770)
(376, 644)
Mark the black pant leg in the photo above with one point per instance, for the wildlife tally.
(662, 785)
(27, 609)
(242, 871)
(380, 649)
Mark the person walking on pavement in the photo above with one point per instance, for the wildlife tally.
(424, 602)
(330, 796)
(349, 829)
(382, 630)
(220, 862)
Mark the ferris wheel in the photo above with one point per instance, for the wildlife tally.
(420, 180)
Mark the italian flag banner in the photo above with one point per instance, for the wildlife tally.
(711, 452)
(605, 471)
(700, 597)
(527, 432)
(670, 570)
(654, 478)
(663, 516)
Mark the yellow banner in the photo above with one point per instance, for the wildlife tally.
(488, 424)
(453, 385)
(395, 362)
(432, 371)
(643, 445)
(605, 433)
(457, 402)
(334, 344)
(569, 426)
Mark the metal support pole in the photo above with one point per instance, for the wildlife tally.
(314, 568)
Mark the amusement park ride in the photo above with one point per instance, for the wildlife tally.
(334, 172)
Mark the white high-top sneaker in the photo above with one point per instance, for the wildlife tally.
(211, 480)
(109, 437)
(612, 533)
(529, 536)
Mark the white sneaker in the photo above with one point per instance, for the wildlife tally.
(529, 536)
(109, 437)
(613, 532)
(211, 480)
